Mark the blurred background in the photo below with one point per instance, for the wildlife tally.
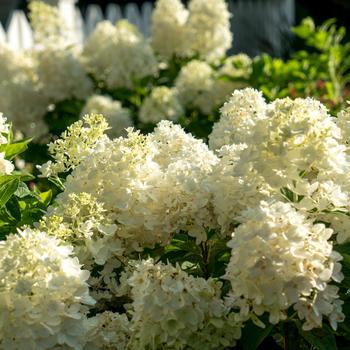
(258, 25)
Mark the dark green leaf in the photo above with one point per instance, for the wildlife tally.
(7, 189)
(321, 339)
(253, 335)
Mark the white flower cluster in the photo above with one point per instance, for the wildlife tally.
(277, 178)
(42, 293)
(289, 148)
(238, 118)
(47, 23)
(174, 310)
(60, 74)
(77, 142)
(20, 97)
(203, 29)
(118, 117)
(201, 86)
(157, 180)
(6, 166)
(107, 331)
(118, 55)
(82, 222)
(162, 103)
(168, 28)
(280, 259)
(196, 86)
(208, 28)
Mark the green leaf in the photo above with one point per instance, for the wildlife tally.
(13, 209)
(321, 339)
(57, 182)
(23, 190)
(13, 149)
(46, 197)
(7, 189)
(253, 335)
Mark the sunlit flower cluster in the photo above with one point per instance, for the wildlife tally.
(196, 86)
(208, 28)
(203, 29)
(47, 23)
(162, 103)
(84, 223)
(77, 142)
(20, 97)
(157, 180)
(118, 55)
(42, 292)
(168, 28)
(280, 259)
(174, 310)
(60, 74)
(117, 117)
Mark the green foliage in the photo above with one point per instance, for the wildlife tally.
(321, 70)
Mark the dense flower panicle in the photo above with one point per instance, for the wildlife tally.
(14, 64)
(60, 74)
(291, 148)
(84, 223)
(47, 23)
(151, 184)
(239, 116)
(118, 117)
(174, 310)
(162, 103)
(77, 142)
(208, 29)
(168, 28)
(280, 259)
(118, 55)
(196, 86)
(42, 293)
(231, 193)
(107, 331)
(20, 97)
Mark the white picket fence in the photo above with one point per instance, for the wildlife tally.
(252, 20)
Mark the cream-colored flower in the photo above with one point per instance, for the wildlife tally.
(42, 293)
(208, 29)
(196, 86)
(75, 143)
(118, 55)
(174, 310)
(168, 28)
(162, 103)
(118, 117)
(280, 259)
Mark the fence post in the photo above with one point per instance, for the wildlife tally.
(19, 33)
